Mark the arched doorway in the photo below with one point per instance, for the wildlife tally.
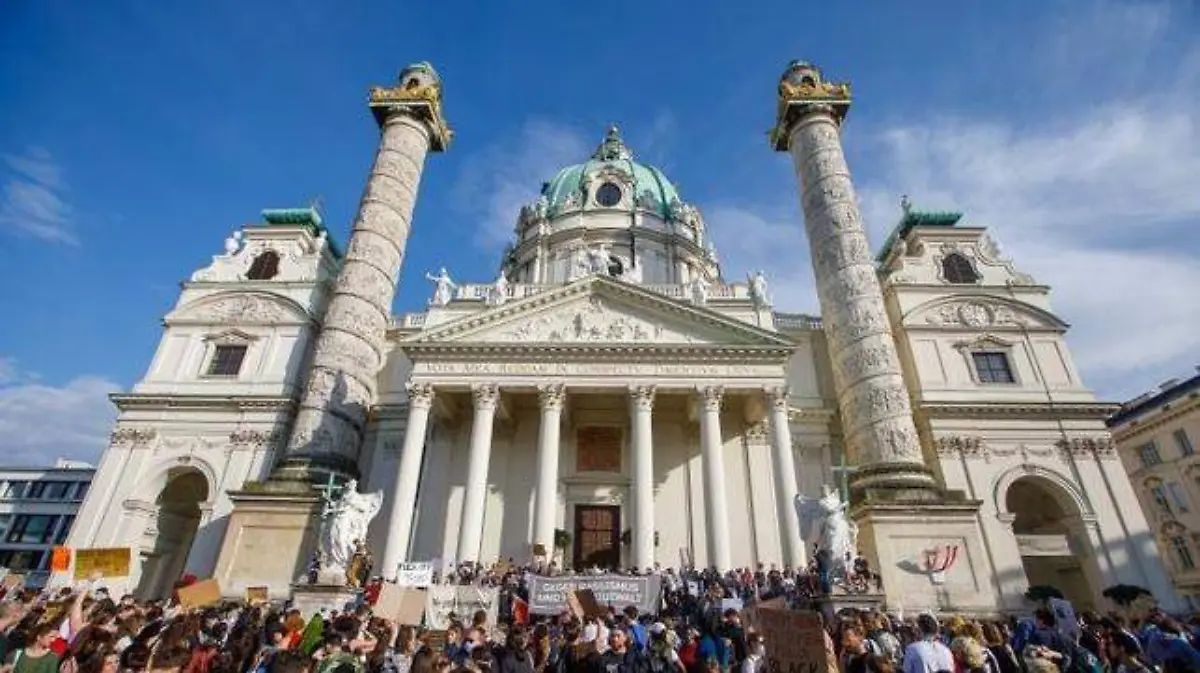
(176, 521)
(1054, 546)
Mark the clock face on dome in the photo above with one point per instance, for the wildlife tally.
(608, 195)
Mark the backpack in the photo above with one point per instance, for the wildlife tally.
(1084, 661)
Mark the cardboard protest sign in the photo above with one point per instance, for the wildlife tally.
(795, 641)
(109, 562)
(258, 595)
(406, 605)
(749, 615)
(586, 599)
(200, 594)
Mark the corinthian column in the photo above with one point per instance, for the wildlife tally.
(408, 476)
(641, 400)
(470, 534)
(717, 513)
(550, 398)
(328, 430)
(786, 491)
(872, 397)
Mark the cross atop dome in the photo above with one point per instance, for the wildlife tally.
(612, 148)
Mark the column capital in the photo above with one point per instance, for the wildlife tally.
(777, 396)
(485, 396)
(552, 396)
(803, 92)
(416, 94)
(642, 397)
(420, 394)
(710, 397)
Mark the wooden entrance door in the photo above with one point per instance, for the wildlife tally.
(597, 538)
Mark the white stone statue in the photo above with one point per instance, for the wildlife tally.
(345, 525)
(823, 522)
(758, 290)
(233, 243)
(541, 207)
(498, 294)
(443, 289)
(598, 259)
(699, 290)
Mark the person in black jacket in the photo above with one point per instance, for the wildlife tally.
(515, 656)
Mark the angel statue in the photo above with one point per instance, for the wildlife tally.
(758, 290)
(824, 524)
(344, 527)
(443, 287)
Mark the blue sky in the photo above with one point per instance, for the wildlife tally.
(135, 136)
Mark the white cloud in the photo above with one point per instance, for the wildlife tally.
(41, 422)
(32, 201)
(495, 182)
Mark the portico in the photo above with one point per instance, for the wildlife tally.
(652, 429)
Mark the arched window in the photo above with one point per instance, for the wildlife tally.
(265, 266)
(957, 269)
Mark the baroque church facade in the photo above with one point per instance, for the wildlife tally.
(612, 399)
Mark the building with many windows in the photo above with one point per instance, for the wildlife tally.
(1157, 434)
(37, 509)
(614, 399)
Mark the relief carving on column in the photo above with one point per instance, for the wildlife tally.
(552, 396)
(367, 282)
(642, 397)
(485, 396)
(895, 440)
(710, 397)
(873, 355)
(420, 394)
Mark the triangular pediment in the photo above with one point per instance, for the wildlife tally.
(599, 310)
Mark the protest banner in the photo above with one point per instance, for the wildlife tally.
(464, 601)
(111, 562)
(548, 595)
(415, 574)
(795, 641)
(256, 595)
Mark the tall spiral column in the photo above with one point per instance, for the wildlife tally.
(872, 396)
(328, 431)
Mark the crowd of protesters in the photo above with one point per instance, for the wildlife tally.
(693, 631)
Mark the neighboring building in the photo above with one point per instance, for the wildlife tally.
(1157, 434)
(614, 384)
(37, 508)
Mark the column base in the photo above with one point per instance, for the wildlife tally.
(929, 552)
(272, 534)
(310, 599)
(831, 605)
(315, 469)
(894, 481)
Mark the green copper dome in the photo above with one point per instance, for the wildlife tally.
(582, 186)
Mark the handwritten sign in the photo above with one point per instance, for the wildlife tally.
(110, 562)
(256, 595)
(795, 641)
(548, 595)
(463, 601)
(415, 574)
(406, 605)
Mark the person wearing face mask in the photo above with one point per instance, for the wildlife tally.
(756, 655)
(515, 657)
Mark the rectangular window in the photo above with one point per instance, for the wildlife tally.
(81, 489)
(36, 490)
(64, 529)
(32, 529)
(227, 361)
(1183, 553)
(5, 520)
(1178, 497)
(1160, 499)
(57, 490)
(1149, 455)
(992, 367)
(1183, 442)
(15, 490)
